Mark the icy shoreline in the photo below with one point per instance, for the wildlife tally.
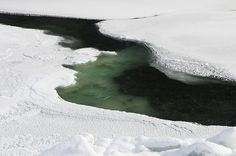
(172, 65)
(179, 53)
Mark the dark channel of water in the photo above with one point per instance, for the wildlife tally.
(210, 104)
(77, 33)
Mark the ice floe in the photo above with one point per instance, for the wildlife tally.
(193, 43)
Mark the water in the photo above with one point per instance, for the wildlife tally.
(77, 33)
(96, 85)
(126, 81)
(209, 104)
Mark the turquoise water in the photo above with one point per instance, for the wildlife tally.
(95, 82)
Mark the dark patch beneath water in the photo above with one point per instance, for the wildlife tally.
(211, 103)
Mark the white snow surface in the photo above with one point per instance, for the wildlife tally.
(194, 37)
(109, 9)
(200, 43)
(33, 118)
(222, 144)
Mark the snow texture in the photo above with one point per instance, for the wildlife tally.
(109, 9)
(34, 118)
(192, 43)
(222, 144)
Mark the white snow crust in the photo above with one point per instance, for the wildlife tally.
(33, 118)
(195, 43)
(196, 37)
(109, 9)
(222, 144)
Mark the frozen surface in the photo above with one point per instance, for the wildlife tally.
(88, 145)
(33, 118)
(198, 43)
(109, 9)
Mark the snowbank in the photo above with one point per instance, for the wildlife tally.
(88, 145)
(196, 43)
(109, 9)
(226, 138)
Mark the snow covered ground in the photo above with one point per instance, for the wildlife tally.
(33, 118)
(196, 37)
(196, 43)
(86, 145)
(109, 9)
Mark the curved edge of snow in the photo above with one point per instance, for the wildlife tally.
(86, 144)
(167, 34)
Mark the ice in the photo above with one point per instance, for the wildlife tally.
(185, 43)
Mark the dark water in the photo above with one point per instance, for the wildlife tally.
(139, 87)
(206, 103)
(77, 33)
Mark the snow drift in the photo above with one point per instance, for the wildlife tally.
(88, 145)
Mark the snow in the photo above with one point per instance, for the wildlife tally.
(193, 42)
(226, 138)
(88, 145)
(109, 9)
(33, 118)
(187, 36)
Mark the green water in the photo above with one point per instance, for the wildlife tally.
(95, 82)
